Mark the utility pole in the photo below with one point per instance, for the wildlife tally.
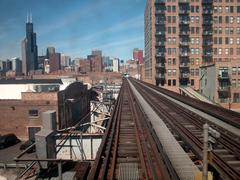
(205, 151)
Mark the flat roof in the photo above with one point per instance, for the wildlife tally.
(31, 81)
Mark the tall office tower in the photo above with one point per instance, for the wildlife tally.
(29, 49)
(50, 50)
(138, 55)
(16, 65)
(184, 37)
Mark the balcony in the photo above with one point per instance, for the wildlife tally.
(207, 43)
(206, 23)
(207, 11)
(184, 76)
(160, 22)
(184, 54)
(160, 33)
(207, 1)
(184, 65)
(160, 65)
(183, 1)
(160, 76)
(181, 11)
(223, 76)
(207, 54)
(184, 32)
(160, 43)
(207, 33)
(223, 88)
(160, 1)
(184, 43)
(159, 12)
(160, 54)
(184, 22)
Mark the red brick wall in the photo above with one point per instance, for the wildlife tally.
(15, 115)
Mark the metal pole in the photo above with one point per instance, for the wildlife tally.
(205, 151)
(59, 170)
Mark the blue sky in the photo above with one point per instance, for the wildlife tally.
(74, 27)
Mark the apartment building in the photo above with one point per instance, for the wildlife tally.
(183, 37)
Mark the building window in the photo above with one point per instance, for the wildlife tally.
(174, 82)
(219, 51)
(226, 51)
(226, 40)
(192, 72)
(238, 19)
(174, 19)
(196, 72)
(169, 82)
(174, 61)
(197, 19)
(238, 41)
(197, 30)
(238, 83)
(238, 51)
(192, 19)
(192, 82)
(169, 72)
(192, 50)
(197, 40)
(231, 51)
(231, 41)
(234, 70)
(231, 19)
(234, 83)
(169, 61)
(192, 61)
(33, 113)
(197, 61)
(174, 72)
(238, 30)
(197, 51)
(236, 97)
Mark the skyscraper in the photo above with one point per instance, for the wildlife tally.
(29, 49)
(185, 37)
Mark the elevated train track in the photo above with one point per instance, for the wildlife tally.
(225, 157)
(128, 149)
(131, 149)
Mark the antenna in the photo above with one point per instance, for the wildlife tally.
(27, 17)
(30, 17)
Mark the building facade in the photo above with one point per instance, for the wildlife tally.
(138, 55)
(181, 36)
(22, 103)
(29, 49)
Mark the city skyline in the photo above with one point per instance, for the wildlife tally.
(74, 28)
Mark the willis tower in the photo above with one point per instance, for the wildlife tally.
(29, 49)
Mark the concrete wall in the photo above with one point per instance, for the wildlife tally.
(208, 82)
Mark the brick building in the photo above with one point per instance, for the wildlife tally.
(22, 109)
(182, 36)
(138, 55)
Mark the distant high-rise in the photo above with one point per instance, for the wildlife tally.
(50, 50)
(138, 55)
(97, 52)
(16, 65)
(29, 49)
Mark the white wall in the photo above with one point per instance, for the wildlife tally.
(13, 91)
(115, 65)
